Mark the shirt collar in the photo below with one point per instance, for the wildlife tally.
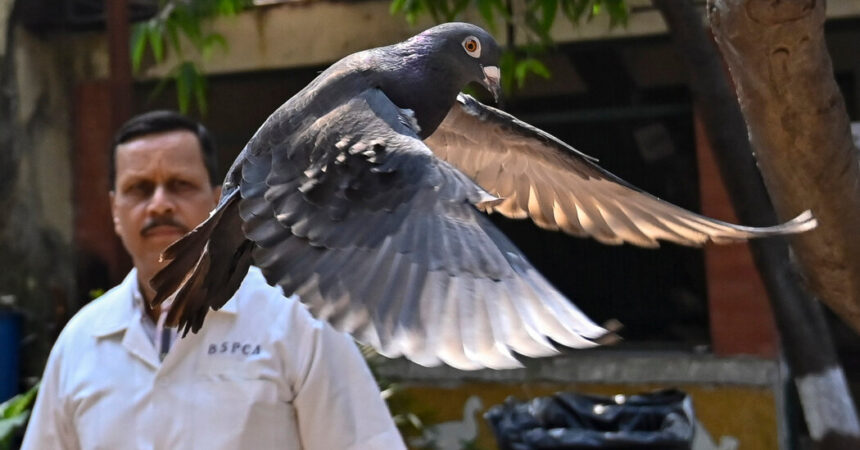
(117, 317)
(128, 306)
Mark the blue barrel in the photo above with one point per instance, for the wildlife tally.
(10, 345)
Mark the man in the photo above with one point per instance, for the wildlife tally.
(261, 374)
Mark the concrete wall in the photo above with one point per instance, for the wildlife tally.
(35, 192)
(736, 401)
(314, 33)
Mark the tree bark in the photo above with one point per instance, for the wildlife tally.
(800, 130)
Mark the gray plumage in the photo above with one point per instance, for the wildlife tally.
(362, 195)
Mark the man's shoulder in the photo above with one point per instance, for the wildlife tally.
(113, 305)
(117, 300)
(258, 299)
(256, 289)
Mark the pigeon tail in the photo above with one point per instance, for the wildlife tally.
(192, 279)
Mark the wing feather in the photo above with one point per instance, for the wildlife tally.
(533, 172)
(499, 329)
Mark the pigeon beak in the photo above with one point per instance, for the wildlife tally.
(491, 81)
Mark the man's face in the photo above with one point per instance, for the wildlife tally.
(162, 191)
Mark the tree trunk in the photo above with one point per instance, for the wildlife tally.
(830, 415)
(801, 133)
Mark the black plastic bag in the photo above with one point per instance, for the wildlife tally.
(657, 420)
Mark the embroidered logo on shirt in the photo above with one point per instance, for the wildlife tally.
(234, 348)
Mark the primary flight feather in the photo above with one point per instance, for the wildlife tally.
(362, 193)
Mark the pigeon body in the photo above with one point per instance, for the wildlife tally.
(364, 193)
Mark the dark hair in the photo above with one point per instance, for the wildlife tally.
(161, 121)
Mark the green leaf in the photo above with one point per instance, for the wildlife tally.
(188, 23)
(200, 88)
(485, 7)
(442, 8)
(533, 24)
(138, 45)
(507, 66)
(459, 7)
(502, 9)
(8, 428)
(411, 9)
(190, 85)
(228, 7)
(13, 415)
(574, 9)
(18, 404)
(432, 8)
(549, 8)
(538, 68)
(211, 42)
(618, 12)
(530, 65)
(184, 85)
(156, 42)
(520, 74)
(396, 6)
(173, 37)
(159, 88)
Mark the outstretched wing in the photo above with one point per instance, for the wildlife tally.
(558, 187)
(382, 239)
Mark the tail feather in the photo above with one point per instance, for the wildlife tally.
(189, 304)
(191, 278)
(184, 256)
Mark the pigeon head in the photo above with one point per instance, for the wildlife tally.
(432, 67)
(469, 51)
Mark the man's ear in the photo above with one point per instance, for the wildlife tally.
(116, 226)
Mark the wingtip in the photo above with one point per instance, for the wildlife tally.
(611, 337)
(804, 221)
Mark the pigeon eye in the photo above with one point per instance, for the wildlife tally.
(472, 46)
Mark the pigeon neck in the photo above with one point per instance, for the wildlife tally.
(433, 111)
(426, 87)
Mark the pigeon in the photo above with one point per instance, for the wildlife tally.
(366, 193)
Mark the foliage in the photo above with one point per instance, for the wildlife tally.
(534, 22)
(181, 22)
(13, 415)
(177, 23)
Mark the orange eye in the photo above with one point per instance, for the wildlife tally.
(472, 46)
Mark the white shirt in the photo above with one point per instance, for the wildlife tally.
(261, 374)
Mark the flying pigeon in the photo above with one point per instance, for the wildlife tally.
(365, 195)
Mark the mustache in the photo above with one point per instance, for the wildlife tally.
(160, 221)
